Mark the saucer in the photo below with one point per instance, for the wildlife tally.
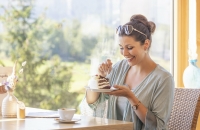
(66, 121)
(103, 90)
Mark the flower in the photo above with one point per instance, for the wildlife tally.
(12, 79)
(23, 63)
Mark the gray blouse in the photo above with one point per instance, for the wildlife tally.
(156, 92)
(121, 102)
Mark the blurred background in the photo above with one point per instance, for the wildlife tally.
(64, 41)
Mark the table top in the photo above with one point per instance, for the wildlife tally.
(84, 123)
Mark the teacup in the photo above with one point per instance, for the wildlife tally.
(66, 113)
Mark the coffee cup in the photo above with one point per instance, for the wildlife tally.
(66, 113)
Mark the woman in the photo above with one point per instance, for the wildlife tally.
(145, 90)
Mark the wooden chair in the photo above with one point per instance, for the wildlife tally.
(186, 108)
(4, 73)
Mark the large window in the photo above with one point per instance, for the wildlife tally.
(64, 41)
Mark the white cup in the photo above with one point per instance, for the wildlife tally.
(66, 113)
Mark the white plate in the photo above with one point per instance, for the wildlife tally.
(102, 90)
(66, 121)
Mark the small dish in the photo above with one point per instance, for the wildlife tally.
(66, 121)
(103, 90)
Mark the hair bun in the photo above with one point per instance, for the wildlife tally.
(138, 17)
(152, 26)
(141, 18)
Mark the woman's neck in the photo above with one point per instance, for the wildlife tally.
(146, 66)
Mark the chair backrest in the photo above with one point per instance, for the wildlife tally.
(186, 108)
(4, 73)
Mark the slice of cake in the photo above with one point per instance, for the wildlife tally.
(103, 83)
(99, 82)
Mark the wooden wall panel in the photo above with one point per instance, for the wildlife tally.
(181, 24)
(198, 32)
(198, 46)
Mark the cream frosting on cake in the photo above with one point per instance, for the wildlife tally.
(99, 82)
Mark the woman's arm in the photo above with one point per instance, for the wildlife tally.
(91, 97)
(126, 92)
(103, 70)
(141, 110)
(157, 114)
(161, 105)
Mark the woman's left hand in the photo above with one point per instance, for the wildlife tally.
(121, 91)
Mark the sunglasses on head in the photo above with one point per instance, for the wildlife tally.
(128, 29)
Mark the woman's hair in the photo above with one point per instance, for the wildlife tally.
(142, 26)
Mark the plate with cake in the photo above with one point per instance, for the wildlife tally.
(98, 83)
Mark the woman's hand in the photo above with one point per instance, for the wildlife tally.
(105, 68)
(121, 91)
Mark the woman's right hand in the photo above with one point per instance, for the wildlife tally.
(105, 68)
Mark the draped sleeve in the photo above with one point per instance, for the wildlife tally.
(158, 115)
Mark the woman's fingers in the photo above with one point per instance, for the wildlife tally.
(105, 68)
(102, 70)
(121, 91)
(108, 61)
(116, 86)
(109, 64)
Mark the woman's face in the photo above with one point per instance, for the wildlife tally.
(132, 50)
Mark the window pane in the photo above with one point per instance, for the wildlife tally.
(64, 41)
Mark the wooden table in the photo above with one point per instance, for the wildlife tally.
(86, 123)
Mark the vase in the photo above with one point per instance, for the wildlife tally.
(9, 105)
(191, 75)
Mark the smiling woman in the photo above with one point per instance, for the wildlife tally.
(132, 41)
(144, 90)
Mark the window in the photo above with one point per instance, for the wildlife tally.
(63, 41)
